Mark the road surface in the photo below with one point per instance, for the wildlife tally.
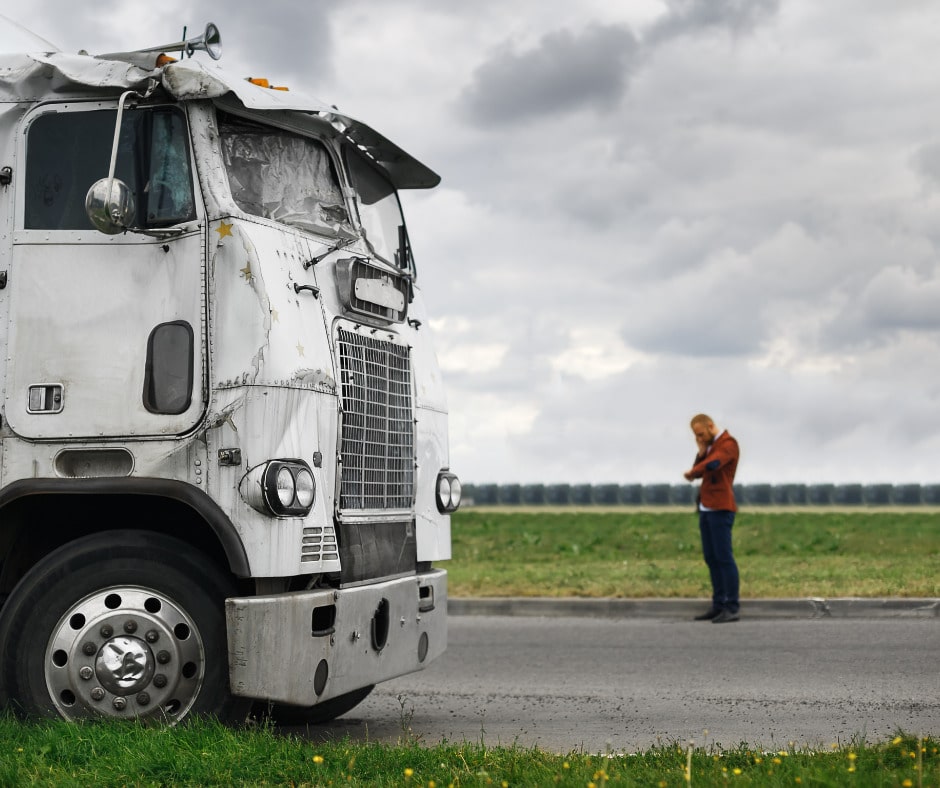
(599, 685)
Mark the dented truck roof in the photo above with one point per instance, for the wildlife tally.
(44, 76)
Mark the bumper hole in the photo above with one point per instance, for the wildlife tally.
(77, 621)
(380, 625)
(112, 601)
(323, 621)
(320, 676)
(181, 631)
(189, 670)
(425, 599)
(152, 605)
(60, 658)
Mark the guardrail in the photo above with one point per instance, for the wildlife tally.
(684, 494)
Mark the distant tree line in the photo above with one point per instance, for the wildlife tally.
(684, 494)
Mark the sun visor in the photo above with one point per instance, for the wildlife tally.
(191, 79)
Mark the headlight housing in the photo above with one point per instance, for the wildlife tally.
(288, 488)
(448, 492)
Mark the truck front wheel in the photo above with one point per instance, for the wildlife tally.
(122, 625)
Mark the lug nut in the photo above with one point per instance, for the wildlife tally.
(130, 626)
(86, 673)
(119, 703)
(143, 698)
(97, 694)
(106, 631)
(163, 657)
(89, 649)
(159, 681)
(152, 636)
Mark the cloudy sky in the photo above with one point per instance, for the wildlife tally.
(648, 209)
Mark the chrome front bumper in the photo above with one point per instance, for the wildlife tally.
(305, 647)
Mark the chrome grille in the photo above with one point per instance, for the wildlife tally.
(378, 459)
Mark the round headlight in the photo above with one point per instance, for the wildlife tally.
(454, 492)
(285, 487)
(305, 488)
(443, 491)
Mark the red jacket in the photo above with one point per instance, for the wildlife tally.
(716, 469)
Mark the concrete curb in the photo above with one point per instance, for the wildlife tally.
(843, 607)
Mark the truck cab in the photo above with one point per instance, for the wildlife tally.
(225, 475)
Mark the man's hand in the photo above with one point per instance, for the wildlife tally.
(689, 476)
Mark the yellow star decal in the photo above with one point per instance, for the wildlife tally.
(246, 272)
(275, 318)
(300, 348)
(224, 229)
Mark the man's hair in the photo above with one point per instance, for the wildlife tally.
(701, 418)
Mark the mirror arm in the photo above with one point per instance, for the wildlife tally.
(117, 136)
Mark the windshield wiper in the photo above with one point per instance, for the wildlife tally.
(340, 244)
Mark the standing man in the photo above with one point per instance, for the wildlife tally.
(715, 464)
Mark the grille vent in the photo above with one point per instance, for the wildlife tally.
(319, 544)
(378, 459)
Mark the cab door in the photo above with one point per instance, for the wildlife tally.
(106, 334)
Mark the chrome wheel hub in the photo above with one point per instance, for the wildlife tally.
(125, 652)
(124, 665)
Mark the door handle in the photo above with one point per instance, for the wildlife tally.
(311, 288)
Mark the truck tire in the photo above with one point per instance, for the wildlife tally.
(284, 714)
(122, 625)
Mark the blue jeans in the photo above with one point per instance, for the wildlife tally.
(716, 547)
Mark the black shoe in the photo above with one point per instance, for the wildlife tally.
(725, 617)
(708, 615)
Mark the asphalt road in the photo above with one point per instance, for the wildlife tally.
(623, 685)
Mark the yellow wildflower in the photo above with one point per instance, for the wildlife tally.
(737, 771)
(409, 771)
(852, 756)
(318, 759)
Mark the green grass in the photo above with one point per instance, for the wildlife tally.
(629, 553)
(201, 753)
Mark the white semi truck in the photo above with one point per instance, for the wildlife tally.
(225, 476)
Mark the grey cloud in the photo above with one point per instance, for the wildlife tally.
(712, 329)
(894, 300)
(927, 163)
(688, 17)
(566, 71)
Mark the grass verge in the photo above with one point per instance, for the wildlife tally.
(204, 753)
(628, 553)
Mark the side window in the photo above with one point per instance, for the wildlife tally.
(66, 152)
(168, 379)
(379, 211)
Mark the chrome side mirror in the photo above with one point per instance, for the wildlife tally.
(113, 212)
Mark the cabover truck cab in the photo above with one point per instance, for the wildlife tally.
(224, 474)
